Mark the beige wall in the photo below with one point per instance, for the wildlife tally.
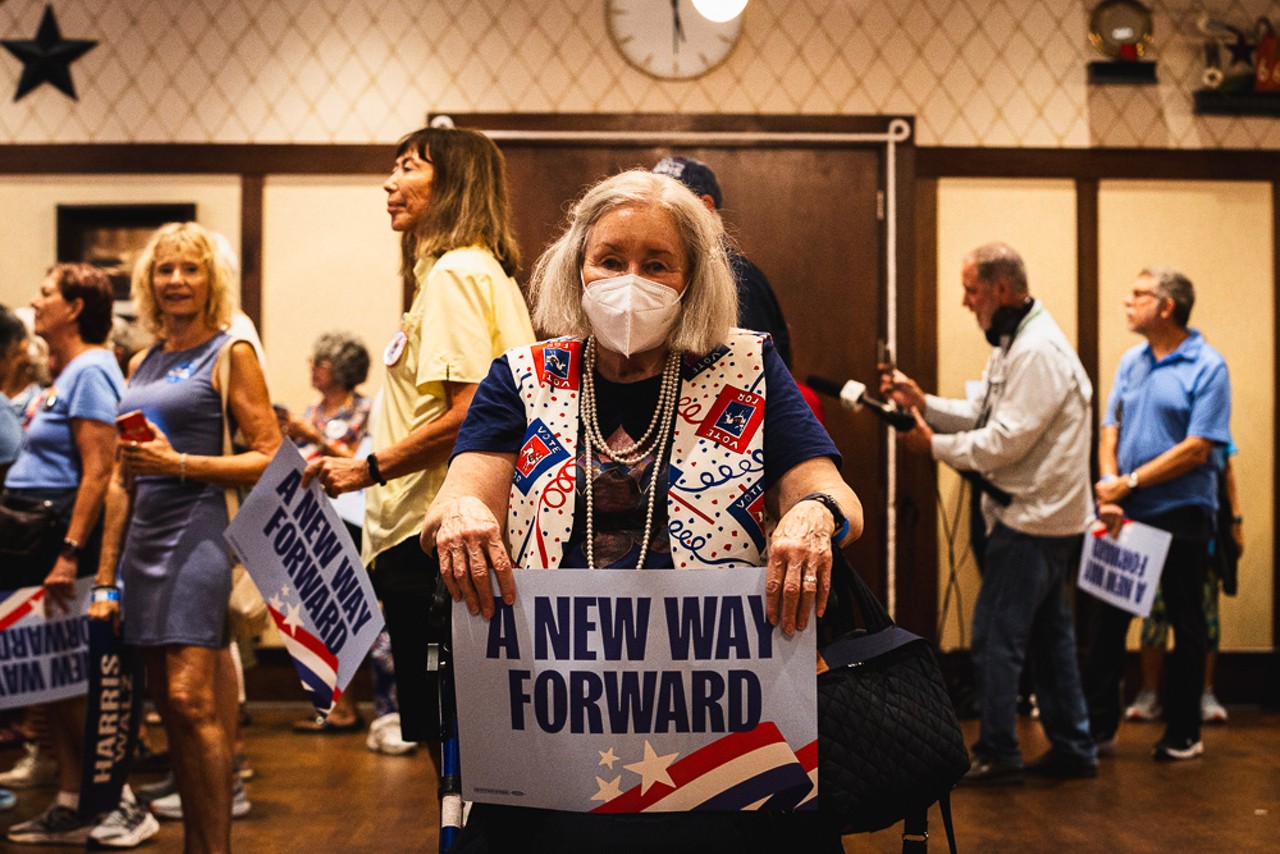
(1219, 235)
(1038, 218)
(330, 262)
(973, 72)
(28, 243)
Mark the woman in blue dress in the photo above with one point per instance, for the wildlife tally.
(174, 563)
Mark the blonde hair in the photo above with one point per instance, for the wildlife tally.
(709, 308)
(184, 236)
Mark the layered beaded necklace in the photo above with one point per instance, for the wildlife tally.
(655, 440)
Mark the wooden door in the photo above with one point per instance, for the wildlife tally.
(806, 214)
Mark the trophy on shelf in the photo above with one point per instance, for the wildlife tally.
(1121, 30)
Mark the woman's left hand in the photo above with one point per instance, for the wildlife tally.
(154, 457)
(60, 584)
(799, 571)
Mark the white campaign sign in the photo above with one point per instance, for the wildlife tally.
(302, 559)
(625, 691)
(1124, 571)
(43, 650)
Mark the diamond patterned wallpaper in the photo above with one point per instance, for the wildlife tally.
(974, 72)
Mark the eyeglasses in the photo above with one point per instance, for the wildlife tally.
(1139, 293)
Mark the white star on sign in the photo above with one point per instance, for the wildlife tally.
(608, 791)
(284, 591)
(653, 768)
(608, 757)
(292, 620)
(276, 604)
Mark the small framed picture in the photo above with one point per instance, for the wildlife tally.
(112, 236)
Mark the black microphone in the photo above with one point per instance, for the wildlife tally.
(853, 395)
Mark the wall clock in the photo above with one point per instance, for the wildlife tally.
(669, 39)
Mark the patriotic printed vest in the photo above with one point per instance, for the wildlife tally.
(715, 498)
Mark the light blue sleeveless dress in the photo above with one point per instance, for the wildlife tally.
(175, 566)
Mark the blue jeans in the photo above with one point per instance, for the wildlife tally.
(1022, 613)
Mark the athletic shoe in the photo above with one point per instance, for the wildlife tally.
(384, 736)
(33, 770)
(240, 764)
(170, 806)
(7, 799)
(1176, 751)
(1145, 707)
(1211, 711)
(127, 826)
(58, 825)
(992, 772)
(156, 791)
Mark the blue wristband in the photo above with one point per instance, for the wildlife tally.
(105, 593)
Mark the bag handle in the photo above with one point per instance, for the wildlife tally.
(844, 578)
(223, 371)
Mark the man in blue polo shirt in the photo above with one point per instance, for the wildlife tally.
(1170, 405)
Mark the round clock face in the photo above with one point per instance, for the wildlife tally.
(669, 38)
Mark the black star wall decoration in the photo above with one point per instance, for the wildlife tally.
(47, 58)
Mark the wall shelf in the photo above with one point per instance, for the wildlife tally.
(1211, 102)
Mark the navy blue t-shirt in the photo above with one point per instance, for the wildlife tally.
(496, 423)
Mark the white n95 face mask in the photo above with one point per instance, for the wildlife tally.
(630, 314)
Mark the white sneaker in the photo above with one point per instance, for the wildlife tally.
(170, 806)
(31, 771)
(1211, 711)
(384, 736)
(127, 826)
(1145, 707)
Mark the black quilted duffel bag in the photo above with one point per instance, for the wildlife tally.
(889, 744)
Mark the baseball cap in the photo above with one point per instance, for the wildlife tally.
(694, 174)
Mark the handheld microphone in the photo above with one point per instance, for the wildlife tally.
(853, 395)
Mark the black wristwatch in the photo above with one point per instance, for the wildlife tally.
(70, 549)
(837, 515)
(372, 462)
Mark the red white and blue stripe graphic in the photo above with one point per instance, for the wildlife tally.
(18, 604)
(740, 771)
(316, 665)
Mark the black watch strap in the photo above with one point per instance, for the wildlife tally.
(372, 462)
(71, 549)
(837, 515)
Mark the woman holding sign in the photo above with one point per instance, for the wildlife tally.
(174, 563)
(65, 461)
(653, 436)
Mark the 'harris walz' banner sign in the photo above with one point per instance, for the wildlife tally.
(111, 718)
(624, 691)
(1125, 570)
(298, 553)
(44, 651)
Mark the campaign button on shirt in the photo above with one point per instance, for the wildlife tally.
(395, 349)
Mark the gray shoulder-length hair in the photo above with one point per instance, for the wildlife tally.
(710, 305)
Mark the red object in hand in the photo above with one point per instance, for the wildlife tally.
(133, 427)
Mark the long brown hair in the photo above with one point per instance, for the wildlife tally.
(469, 204)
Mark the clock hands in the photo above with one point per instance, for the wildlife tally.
(677, 28)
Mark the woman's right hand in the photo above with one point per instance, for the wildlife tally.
(106, 610)
(470, 545)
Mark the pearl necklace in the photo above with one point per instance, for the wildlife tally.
(663, 417)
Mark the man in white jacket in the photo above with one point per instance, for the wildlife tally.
(1027, 433)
